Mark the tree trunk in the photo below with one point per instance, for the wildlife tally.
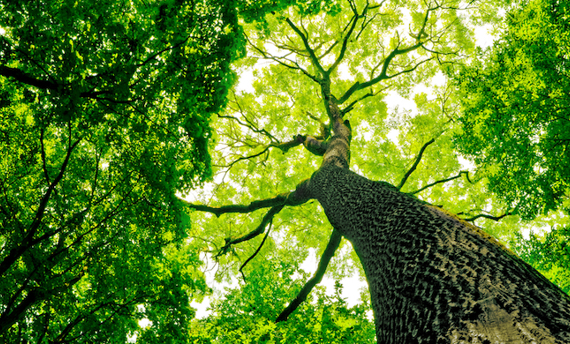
(434, 278)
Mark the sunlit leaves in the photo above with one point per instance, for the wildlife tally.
(247, 313)
(104, 116)
(515, 100)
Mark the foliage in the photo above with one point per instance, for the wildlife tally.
(104, 110)
(105, 116)
(515, 100)
(549, 253)
(247, 313)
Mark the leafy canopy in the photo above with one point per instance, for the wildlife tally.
(104, 110)
(515, 101)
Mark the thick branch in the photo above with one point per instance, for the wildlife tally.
(25, 78)
(443, 181)
(314, 145)
(413, 168)
(238, 208)
(333, 244)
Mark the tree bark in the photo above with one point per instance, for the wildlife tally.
(434, 278)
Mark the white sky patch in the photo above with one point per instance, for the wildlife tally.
(483, 37)
(466, 164)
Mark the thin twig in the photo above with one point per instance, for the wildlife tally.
(413, 168)
(490, 217)
(443, 181)
(256, 251)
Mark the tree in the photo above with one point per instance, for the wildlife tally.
(515, 99)
(433, 277)
(104, 110)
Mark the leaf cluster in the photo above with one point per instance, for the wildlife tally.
(515, 101)
(104, 116)
(247, 314)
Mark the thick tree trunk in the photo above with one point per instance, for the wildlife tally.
(434, 278)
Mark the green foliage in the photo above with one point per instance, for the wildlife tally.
(515, 100)
(549, 253)
(104, 116)
(247, 314)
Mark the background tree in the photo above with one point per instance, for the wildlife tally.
(432, 276)
(104, 111)
(515, 100)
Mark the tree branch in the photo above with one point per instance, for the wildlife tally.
(277, 59)
(486, 216)
(237, 208)
(413, 168)
(25, 78)
(443, 181)
(340, 56)
(259, 230)
(314, 58)
(17, 251)
(333, 244)
(256, 251)
(396, 52)
(314, 144)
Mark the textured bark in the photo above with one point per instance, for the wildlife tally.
(434, 278)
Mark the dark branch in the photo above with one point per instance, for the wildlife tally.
(486, 216)
(313, 141)
(238, 208)
(386, 63)
(354, 20)
(256, 252)
(277, 59)
(333, 244)
(413, 168)
(443, 181)
(314, 58)
(25, 78)
(257, 231)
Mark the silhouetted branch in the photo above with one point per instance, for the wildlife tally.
(25, 78)
(256, 251)
(284, 147)
(326, 257)
(413, 168)
(486, 216)
(443, 181)
(238, 208)
(311, 52)
(259, 230)
(277, 59)
(342, 52)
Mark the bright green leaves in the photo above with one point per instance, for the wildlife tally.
(247, 314)
(104, 116)
(548, 253)
(515, 123)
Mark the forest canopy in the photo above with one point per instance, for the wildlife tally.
(136, 138)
